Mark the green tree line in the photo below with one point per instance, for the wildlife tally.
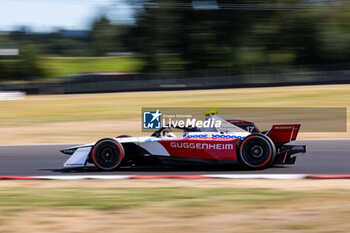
(228, 34)
(299, 33)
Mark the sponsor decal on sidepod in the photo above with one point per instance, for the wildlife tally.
(201, 146)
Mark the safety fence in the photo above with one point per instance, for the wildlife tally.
(207, 79)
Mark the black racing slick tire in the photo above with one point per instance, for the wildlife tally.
(257, 151)
(107, 154)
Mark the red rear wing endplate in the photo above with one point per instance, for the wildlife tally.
(284, 133)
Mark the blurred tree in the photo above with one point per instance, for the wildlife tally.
(27, 67)
(194, 34)
(104, 37)
(21, 33)
(334, 34)
(182, 37)
(240, 34)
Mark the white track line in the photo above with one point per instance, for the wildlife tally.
(219, 176)
(94, 177)
(258, 176)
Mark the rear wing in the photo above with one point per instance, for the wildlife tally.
(283, 133)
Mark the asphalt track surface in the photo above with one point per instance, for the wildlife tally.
(322, 157)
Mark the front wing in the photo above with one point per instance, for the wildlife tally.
(78, 158)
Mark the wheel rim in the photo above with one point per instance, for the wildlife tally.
(107, 155)
(256, 151)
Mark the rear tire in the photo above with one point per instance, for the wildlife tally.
(257, 151)
(107, 154)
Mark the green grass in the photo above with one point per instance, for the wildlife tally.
(175, 208)
(122, 198)
(95, 107)
(62, 66)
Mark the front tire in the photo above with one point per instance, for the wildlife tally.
(107, 154)
(257, 151)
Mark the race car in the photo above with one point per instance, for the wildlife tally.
(234, 142)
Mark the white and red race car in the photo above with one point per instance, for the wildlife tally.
(235, 141)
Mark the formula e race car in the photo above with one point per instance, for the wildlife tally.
(234, 142)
